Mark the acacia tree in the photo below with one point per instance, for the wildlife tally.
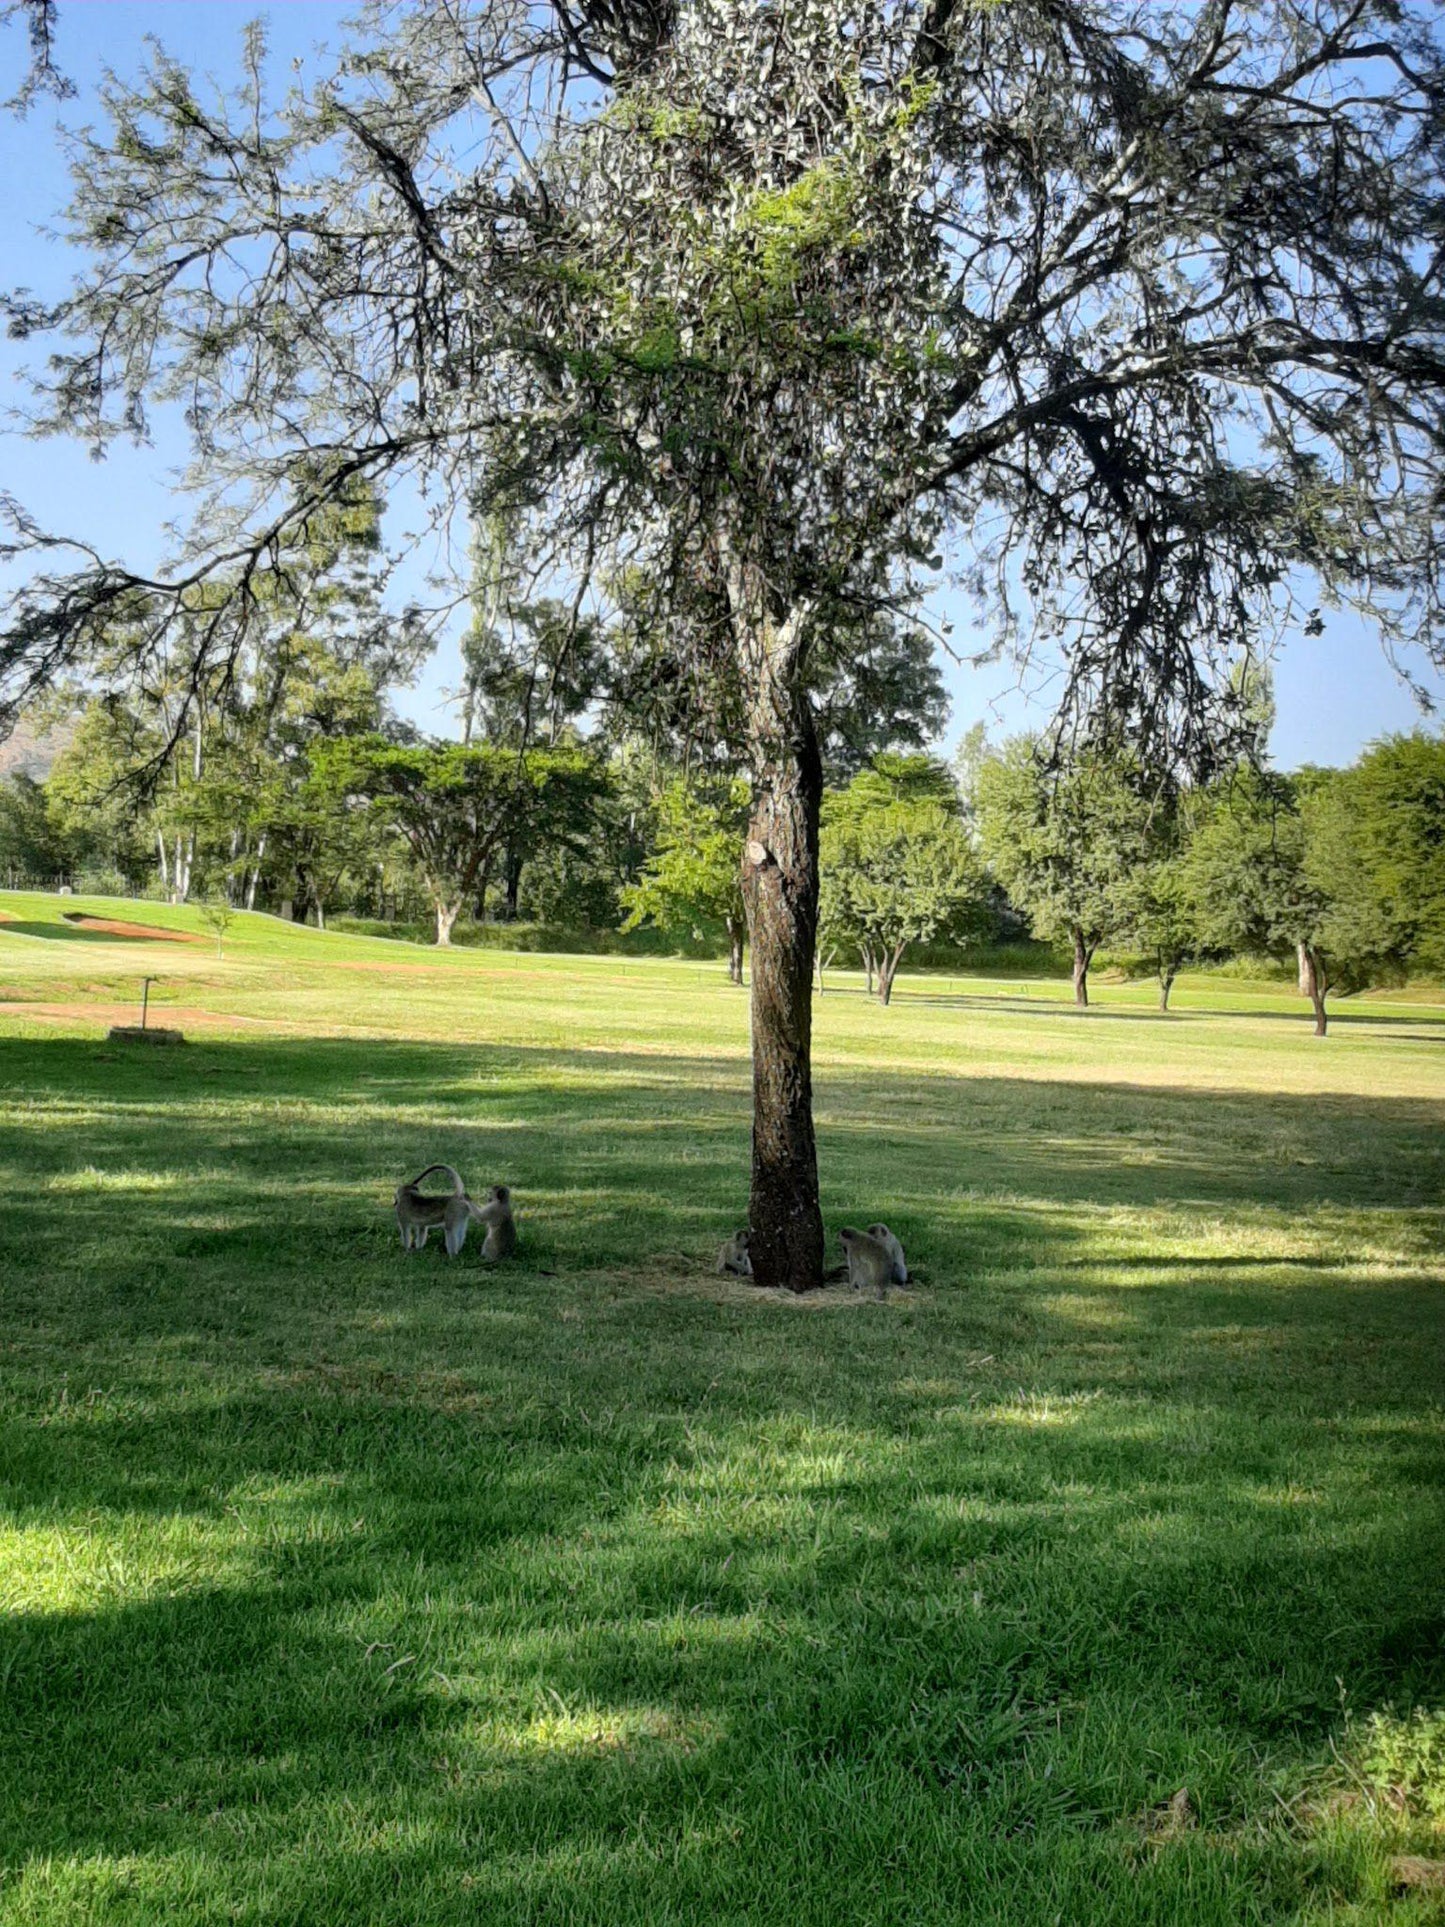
(454, 804)
(1130, 308)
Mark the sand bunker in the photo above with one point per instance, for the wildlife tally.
(112, 927)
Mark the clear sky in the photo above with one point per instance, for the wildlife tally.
(1334, 693)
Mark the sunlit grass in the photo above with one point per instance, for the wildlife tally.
(346, 1587)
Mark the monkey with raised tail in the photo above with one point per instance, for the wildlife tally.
(869, 1262)
(734, 1255)
(417, 1214)
(895, 1251)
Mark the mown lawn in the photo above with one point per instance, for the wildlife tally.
(341, 1586)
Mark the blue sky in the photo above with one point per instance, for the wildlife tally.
(1334, 693)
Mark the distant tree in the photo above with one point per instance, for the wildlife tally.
(897, 866)
(1064, 837)
(693, 879)
(1377, 850)
(890, 777)
(33, 845)
(218, 916)
(1157, 916)
(455, 805)
(1261, 879)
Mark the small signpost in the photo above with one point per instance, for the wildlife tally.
(142, 1032)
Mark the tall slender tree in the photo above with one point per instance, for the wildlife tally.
(1133, 310)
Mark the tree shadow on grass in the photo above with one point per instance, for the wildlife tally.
(489, 1635)
(1430, 1025)
(388, 1589)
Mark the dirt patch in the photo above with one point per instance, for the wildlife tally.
(113, 927)
(111, 1014)
(669, 1278)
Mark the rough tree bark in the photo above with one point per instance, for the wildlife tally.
(1083, 957)
(780, 891)
(447, 914)
(1166, 984)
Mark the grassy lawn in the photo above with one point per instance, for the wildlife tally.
(342, 1586)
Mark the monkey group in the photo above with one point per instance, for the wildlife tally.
(872, 1258)
(418, 1212)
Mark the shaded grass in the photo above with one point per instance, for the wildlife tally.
(344, 1587)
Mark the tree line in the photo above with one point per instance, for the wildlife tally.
(319, 802)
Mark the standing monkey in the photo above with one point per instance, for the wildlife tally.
(417, 1214)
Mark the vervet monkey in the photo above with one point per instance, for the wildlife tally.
(496, 1215)
(869, 1262)
(895, 1250)
(417, 1214)
(734, 1255)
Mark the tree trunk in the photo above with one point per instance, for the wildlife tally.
(735, 952)
(320, 914)
(887, 971)
(514, 887)
(1166, 984)
(868, 970)
(1315, 985)
(1302, 964)
(447, 914)
(1083, 957)
(165, 861)
(253, 881)
(780, 891)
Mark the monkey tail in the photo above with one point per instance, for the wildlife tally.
(459, 1190)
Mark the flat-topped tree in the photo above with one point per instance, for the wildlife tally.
(1129, 309)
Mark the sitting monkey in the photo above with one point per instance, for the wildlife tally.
(895, 1251)
(869, 1262)
(734, 1255)
(496, 1215)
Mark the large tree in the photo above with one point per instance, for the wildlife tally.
(1129, 308)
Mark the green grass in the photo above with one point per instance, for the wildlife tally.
(342, 1586)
